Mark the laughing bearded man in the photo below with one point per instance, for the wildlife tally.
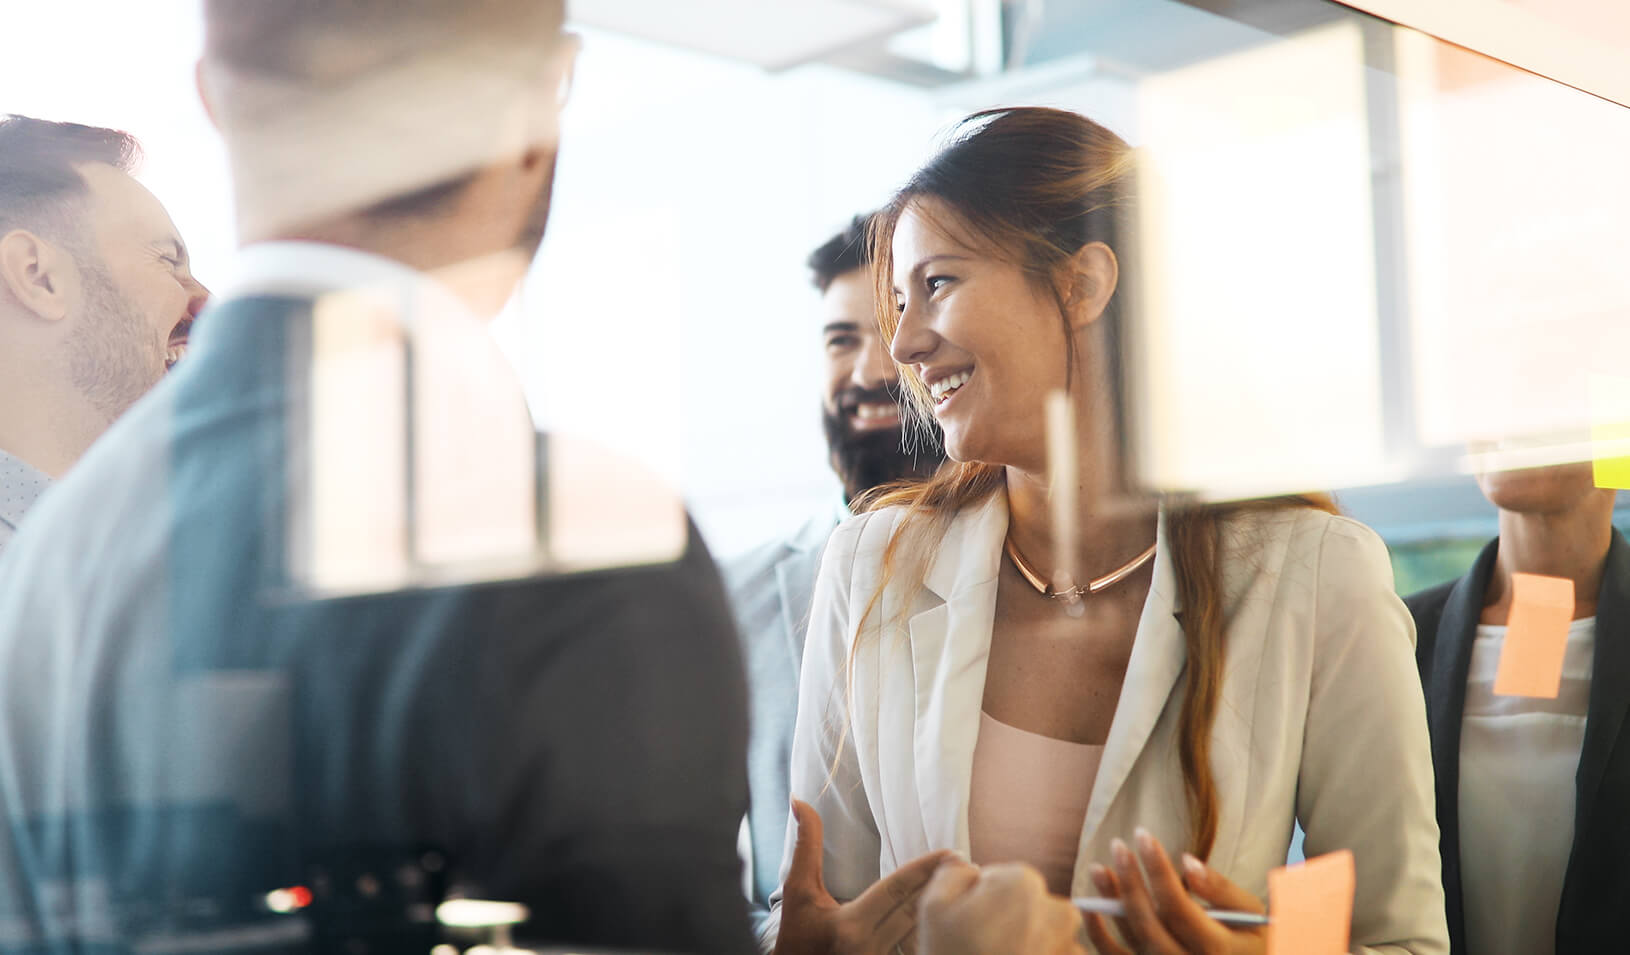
(770, 586)
(96, 298)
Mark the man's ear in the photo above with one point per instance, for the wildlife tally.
(39, 275)
(1089, 280)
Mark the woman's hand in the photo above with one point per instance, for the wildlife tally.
(1160, 916)
(995, 910)
(882, 921)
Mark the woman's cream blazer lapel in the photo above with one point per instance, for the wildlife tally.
(1158, 656)
(950, 647)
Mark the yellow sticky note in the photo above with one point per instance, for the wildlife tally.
(1610, 431)
(1311, 904)
(1536, 636)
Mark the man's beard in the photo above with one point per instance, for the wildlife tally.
(113, 356)
(867, 459)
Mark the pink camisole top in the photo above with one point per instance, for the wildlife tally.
(1029, 799)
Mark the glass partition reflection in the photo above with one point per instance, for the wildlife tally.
(1367, 255)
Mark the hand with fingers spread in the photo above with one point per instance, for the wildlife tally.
(994, 910)
(1161, 916)
(882, 921)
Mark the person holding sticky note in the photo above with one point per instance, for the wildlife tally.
(1526, 666)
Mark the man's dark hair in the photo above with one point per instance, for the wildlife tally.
(848, 250)
(38, 181)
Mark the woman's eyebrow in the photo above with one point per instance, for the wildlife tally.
(917, 269)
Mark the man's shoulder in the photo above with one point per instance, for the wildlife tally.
(1426, 608)
(116, 486)
(758, 563)
(753, 572)
(1431, 601)
(118, 500)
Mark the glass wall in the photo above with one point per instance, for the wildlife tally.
(1358, 248)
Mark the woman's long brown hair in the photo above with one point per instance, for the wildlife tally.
(1036, 185)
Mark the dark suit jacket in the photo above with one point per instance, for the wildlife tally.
(183, 734)
(1595, 912)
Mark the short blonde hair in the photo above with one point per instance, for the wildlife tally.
(334, 40)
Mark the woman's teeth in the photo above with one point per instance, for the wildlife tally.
(173, 354)
(942, 389)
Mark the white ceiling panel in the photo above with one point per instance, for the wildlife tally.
(774, 34)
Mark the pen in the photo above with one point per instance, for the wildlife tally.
(1114, 909)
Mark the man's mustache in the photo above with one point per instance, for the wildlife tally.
(850, 399)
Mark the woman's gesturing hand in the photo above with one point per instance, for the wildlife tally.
(1160, 915)
(995, 910)
(882, 921)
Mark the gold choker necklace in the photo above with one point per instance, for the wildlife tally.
(1093, 586)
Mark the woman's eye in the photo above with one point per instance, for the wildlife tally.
(841, 341)
(936, 282)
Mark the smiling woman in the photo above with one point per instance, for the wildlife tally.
(1000, 268)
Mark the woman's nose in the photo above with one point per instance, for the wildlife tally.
(913, 340)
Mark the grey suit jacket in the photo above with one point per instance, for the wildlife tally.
(770, 588)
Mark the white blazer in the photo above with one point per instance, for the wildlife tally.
(1321, 718)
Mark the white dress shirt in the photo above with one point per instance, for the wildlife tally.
(1518, 757)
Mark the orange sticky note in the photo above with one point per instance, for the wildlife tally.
(1311, 904)
(1536, 636)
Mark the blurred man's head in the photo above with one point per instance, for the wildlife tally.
(96, 292)
(861, 400)
(1553, 490)
(422, 129)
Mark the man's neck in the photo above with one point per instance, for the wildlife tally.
(51, 442)
(483, 281)
(404, 244)
(1571, 544)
